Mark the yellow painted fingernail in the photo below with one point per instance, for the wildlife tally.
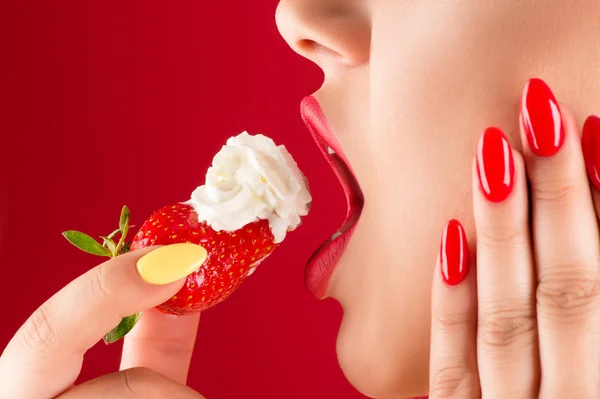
(170, 263)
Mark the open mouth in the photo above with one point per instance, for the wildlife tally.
(322, 263)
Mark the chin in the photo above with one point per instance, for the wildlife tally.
(382, 345)
(377, 362)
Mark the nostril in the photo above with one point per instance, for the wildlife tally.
(331, 34)
(307, 45)
(312, 49)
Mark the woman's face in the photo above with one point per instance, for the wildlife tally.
(409, 86)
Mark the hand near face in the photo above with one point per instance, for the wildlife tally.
(522, 318)
(45, 356)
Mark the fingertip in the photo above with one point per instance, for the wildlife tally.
(541, 119)
(170, 263)
(131, 261)
(454, 253)
(121, 280)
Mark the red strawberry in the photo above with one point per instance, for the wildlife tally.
(232, 256)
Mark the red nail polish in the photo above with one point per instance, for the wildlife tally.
(590, 143)
(495, 165)
(541, 117)
(454, 253)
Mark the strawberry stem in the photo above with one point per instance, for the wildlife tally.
(123, 227)
(111, 249)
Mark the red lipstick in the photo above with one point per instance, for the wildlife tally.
(322, 263)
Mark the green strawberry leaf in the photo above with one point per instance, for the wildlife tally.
(86, 243)
(124, 223)
(122, 329)
(110, 244)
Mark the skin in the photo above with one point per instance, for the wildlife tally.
(409, 86)
(408, 111)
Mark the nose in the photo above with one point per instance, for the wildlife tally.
(331, 33)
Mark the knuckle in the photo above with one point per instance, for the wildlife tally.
(554, 190)
(449, 322)
(502, 237)
(98, 285)
(453, 382)
(39, 331)
(508, 326)
(569, 296)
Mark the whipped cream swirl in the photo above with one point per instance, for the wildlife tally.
(252, 178)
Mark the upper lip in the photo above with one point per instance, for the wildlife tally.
(327, 142)
(324, 137)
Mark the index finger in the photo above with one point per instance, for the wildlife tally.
(44, 358)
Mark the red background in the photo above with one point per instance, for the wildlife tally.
(125, 102)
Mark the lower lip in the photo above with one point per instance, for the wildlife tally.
(322, 264)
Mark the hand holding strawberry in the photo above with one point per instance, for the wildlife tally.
(254, 194)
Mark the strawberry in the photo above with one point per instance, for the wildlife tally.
(232, 256)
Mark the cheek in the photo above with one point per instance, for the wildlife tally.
(384, 278)
(412, 156)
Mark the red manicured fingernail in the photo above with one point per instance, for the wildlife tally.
(590, 143)
(495, 165)
(541, 118)
(454, 253)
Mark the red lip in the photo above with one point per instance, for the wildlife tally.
(322, 263)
